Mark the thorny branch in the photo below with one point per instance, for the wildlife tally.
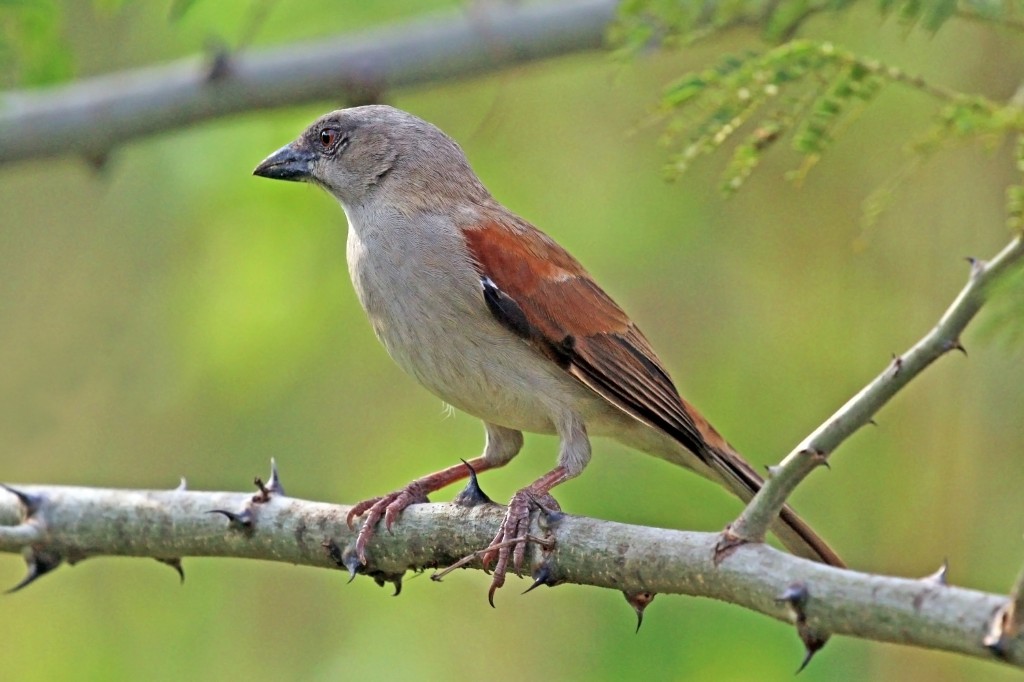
(814, 450)
(53, 524)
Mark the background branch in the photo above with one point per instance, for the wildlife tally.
(91, 117)
(69, 523)
(813, 451)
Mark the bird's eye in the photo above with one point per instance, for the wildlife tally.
(328, 136)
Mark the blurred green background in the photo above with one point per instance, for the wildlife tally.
(171, 315)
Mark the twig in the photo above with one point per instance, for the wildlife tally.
(858, 411)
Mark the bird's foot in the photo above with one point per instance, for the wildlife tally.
(387, 507)
(513, 535)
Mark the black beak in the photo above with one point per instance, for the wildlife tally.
(287, 163)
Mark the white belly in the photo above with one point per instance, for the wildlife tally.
(427, 308)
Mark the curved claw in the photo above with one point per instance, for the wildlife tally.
(490, 592)
(387, 507)
(366, 533)
(509, 542)
(389, 516)
(358, 510)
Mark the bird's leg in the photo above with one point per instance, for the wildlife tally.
(391, 505)
(502, 445)
(510, 542)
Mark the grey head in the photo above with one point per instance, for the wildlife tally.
(374, 153)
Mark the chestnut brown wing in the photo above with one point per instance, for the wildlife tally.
(541, 293)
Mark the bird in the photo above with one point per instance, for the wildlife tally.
(498, 320)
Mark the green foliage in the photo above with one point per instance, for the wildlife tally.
(929, 15)
(806, 89)
(669, 22)
(812, 91)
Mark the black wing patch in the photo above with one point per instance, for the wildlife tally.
(505, 309)
(513, 317)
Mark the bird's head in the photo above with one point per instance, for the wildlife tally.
(365, 154)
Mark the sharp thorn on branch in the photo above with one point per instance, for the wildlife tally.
(550, 515)
(350, 560)
(384, 578)
(956, 344)
(796, 597)
(977, 266)
(182, 485)
(241, 521)
(472, 495)
(818, 458)
(897, 364)
(220, 64)
(543, 575)
(939, 577)
(274, 484)
(639, 601)
(39, 562)
(812, 645)
(174, 563)
(30, 502)
(347, 558)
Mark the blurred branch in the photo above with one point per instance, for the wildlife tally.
(1008, 620)
(91, 117)
(753, 523)
(52, 524)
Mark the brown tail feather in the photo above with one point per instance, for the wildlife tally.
(795, 534)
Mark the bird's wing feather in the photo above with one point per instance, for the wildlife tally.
(540, 292)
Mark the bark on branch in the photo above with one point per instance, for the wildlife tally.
(51, 524)
(91, 117)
